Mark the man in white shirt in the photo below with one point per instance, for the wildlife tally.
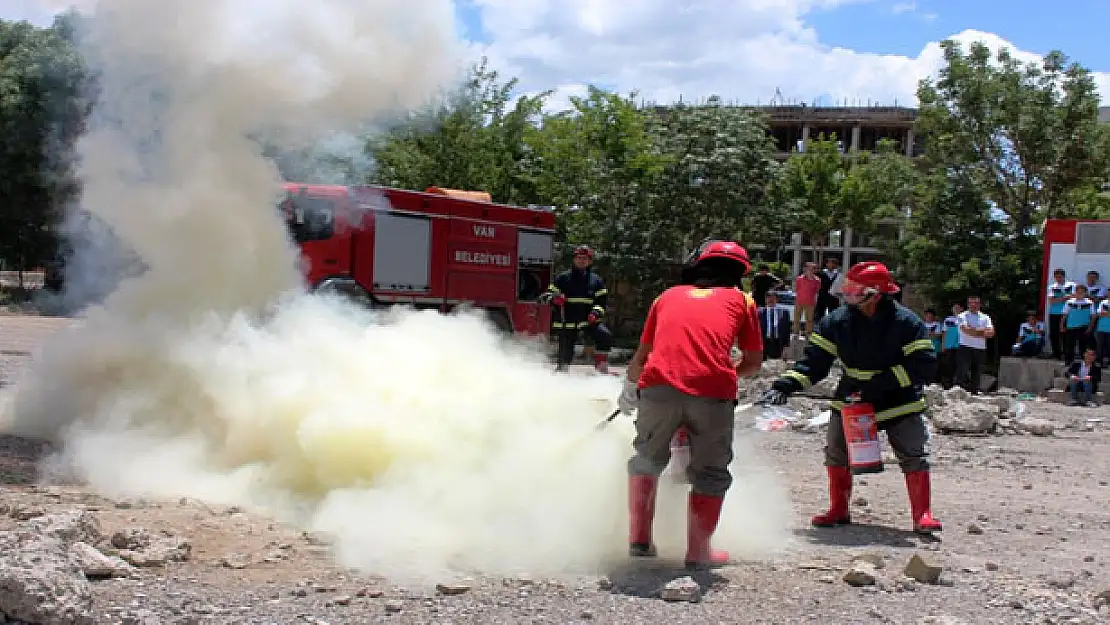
(975, 328)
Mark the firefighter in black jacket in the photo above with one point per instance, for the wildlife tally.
(579, 297)
(887, 358)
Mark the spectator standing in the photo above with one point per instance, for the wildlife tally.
(1083, 377)
(1031, 337)
(762, 282)
(1076, 324)
(933, 326)
(935, 332)
(1059, 290)
(826, 300)
(1096, 291)
(1102, 332)
(975, 328)
(950, 346)
(775, 324)
(806, 287)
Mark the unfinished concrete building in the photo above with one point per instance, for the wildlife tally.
(858, 128)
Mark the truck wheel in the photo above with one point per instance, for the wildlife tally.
(348, 290)
(501, 321)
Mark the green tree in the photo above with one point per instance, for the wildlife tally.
(600, 166)
(475, 139)
(43, 110)
(1007, 146)
(720, 170)
(878, 186)
(954, 244)
(809, 190)
(1027, 134)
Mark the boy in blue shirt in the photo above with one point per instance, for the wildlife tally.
(1030, 337)
(1078, 317)
(1102, 332)
(1059, 290)
(949, 345)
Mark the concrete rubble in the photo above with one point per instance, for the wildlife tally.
(48, 562)
(950, 411)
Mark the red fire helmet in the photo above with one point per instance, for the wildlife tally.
(869, 276)
(727, 250)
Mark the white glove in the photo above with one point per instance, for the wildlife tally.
(629, 397)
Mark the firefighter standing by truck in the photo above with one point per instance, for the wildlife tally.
(579, 297)
(687, 380)
(888, 358)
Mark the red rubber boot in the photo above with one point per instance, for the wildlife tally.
(601, 363)
(641, 514)
(920, 489)
(840, 493)
(703, 513)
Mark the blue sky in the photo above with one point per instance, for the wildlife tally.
(816, 51)
(1034, 25)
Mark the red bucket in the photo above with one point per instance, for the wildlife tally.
(861, 432)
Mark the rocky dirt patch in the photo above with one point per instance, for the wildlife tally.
(1026, 540)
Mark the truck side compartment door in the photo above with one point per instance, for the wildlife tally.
(402, 253)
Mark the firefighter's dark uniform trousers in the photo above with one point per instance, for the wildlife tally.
(887, 358)
(585, 292)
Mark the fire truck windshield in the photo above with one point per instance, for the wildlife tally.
(308, 218)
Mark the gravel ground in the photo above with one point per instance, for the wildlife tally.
(1025, 541)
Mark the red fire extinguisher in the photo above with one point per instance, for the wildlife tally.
(861, 432)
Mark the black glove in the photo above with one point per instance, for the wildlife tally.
(772, 397)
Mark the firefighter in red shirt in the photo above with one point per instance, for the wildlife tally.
(687, 379)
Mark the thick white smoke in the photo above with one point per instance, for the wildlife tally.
(423, 443)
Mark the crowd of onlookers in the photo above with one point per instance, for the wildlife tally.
(1077, 332)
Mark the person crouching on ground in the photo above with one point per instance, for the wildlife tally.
(1083, 377)
(687, 378)
(888, 358)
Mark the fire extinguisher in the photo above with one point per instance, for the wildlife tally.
(680, 456)
(861, 432)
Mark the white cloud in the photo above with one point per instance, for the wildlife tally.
(742, 50)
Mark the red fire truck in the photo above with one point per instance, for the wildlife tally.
(1077, 246)
(436, 249)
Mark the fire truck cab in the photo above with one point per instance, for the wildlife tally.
(1076, 246)
(435, 249)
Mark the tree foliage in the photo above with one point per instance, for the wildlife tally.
(1027, 134)
(42, 113)
(1008, 144)
(720, 170)
(821, 189)
(474, 138)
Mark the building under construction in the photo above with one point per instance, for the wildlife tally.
(856, 127)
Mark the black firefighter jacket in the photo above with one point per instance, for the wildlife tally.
(887, 358)
(585, 292)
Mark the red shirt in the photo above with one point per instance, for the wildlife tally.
(805, 289)
(691, 332)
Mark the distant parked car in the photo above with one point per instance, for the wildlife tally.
(785, 297)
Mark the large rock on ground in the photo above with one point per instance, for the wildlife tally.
(965, 418)
(1035, 426)
(39, 582)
